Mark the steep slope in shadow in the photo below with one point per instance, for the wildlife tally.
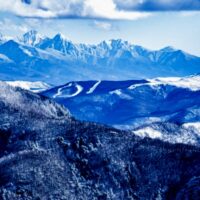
(46, 154)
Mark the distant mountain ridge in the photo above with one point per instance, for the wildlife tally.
(57, 60)
(149, 107)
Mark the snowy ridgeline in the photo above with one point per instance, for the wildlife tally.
(57, 60)
(46, 154)
(190, 82)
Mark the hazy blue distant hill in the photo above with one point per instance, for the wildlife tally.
(146, 106)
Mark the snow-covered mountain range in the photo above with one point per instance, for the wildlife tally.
(46, 152)
(56, 60)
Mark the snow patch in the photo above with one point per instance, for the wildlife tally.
(93, 88)
(190, 82)
(195, 125)
(117, 92)
(5, 58)
(148, 132)
(32, 86)
(26, 51)
(60, 94)
(121, 94)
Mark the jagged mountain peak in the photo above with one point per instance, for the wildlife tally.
(11, 43)
(114, 43)
(32, 38)
(59, 36)
(119, 43)
(4, 38)
(176, 52)
(58, 43)
(168, 49)
(105, 44)
(32, 32)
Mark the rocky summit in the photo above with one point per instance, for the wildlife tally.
(58, 60)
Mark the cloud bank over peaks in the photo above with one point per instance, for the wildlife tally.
(95, 9)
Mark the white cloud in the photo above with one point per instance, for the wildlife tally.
(21, 9)
(106, 9)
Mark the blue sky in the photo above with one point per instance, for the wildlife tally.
(155, 26)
